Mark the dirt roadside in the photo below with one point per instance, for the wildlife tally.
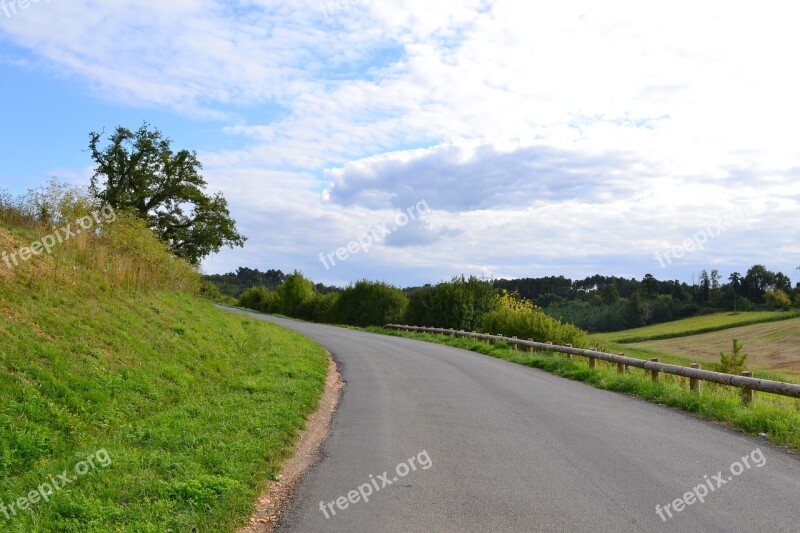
(306, 454)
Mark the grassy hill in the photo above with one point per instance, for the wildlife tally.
(163, 413)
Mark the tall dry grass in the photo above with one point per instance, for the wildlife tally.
(118, 253)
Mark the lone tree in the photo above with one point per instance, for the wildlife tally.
(733, 363)
(139, 172)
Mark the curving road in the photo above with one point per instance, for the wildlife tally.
(498, 447)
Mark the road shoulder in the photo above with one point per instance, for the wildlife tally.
(306, 453)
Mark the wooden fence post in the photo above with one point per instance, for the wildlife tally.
(621, 367)
(514, 343)
(694, 383)
(747, 392)
(530, 348)
(654, 373)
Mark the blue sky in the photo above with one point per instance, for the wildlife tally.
(546, 140)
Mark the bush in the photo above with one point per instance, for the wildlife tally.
(420, 304)
(210, 291)
(258, 299)
(687, 310)
(522, 319)
(459, 304)
(370, 303)
(777, 299)
(743, 304)
(295, 291)
(321, 308)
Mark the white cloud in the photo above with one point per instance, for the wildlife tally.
(587, 133)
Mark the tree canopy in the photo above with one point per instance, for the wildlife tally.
(139, 172)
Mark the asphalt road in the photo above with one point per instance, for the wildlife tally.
(502, 447)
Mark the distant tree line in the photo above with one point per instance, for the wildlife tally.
(596, 303)
(233, 284)
(609, 303)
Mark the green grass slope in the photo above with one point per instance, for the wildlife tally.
(164, 413)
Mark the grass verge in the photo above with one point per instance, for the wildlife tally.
(777, 417)
(196, 408)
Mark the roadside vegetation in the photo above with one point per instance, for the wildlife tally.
(107, 347)
(472, 304)
(462, 303)
(595, 304)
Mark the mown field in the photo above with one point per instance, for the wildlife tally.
(693, 326)
(127, 403)
(770, 339)
(771, 347)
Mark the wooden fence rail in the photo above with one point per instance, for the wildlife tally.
(745, 382)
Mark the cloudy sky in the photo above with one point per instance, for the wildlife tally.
(546, 138)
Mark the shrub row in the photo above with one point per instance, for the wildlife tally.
(467, 304)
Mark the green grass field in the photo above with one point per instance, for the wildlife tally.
(166, 414)
(693, 326)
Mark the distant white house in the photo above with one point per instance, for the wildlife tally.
(593, 288)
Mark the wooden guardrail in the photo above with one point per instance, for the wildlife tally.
(746, 382)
